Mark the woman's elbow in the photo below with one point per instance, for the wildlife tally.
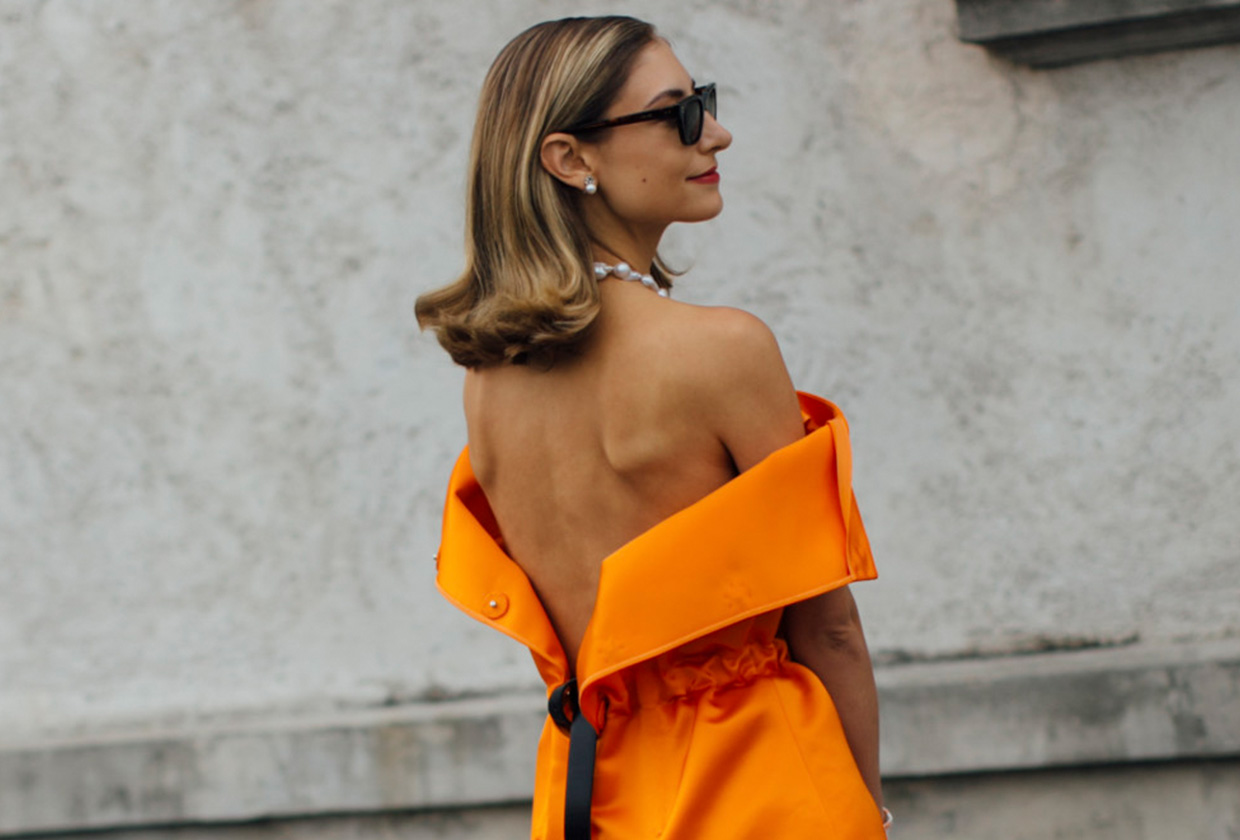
(829, 624)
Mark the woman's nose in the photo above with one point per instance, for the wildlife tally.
(714, 135)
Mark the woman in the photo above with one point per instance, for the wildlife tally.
(645, 501)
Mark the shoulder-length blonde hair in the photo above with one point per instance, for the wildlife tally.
(528, 291)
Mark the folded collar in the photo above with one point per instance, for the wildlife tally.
(784, 530)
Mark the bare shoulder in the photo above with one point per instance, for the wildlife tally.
(734, 374)
(740, 341)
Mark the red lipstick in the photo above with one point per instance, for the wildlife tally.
(709, 177)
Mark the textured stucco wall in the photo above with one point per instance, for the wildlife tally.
(223, 443)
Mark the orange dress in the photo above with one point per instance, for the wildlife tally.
(705, 727)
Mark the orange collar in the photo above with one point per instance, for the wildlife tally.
(784, 530)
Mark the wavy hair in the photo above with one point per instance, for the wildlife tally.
(528, 291)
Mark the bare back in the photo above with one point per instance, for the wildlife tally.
(665, 403)
(580, 459)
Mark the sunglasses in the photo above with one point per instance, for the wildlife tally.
(690, 114)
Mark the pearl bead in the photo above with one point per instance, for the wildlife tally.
(624, 271)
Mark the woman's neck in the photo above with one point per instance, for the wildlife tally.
(606, 255)
(616, 242)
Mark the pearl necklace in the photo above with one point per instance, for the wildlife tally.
(625, 272)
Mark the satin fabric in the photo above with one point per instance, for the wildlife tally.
(706, 727)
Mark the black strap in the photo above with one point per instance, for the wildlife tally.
(582, 739)
(580, 788)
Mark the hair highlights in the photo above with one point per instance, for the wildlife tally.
(528, 290)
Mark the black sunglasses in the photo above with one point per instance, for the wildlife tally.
(690, 114)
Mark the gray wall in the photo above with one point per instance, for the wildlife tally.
(223, 443)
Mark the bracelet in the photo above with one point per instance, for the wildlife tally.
(888, 820)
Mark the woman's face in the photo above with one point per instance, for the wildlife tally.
(646, 175)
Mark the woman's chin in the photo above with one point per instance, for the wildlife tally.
(702, 211)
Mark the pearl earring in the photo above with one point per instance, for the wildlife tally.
(591, 186)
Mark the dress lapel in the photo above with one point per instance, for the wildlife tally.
(784, 530)
(477, 575)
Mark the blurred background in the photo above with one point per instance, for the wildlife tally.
(1002, 236)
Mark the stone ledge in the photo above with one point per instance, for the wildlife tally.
(441, 755)
(1049, 33)
(1091, 707)
(1102, 706)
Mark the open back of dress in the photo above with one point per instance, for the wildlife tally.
(705, 727)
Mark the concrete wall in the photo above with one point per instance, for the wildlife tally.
(223, 443)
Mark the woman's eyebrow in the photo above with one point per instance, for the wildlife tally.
(676, 92)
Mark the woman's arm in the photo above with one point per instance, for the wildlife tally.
(749, 395)
(824, 634)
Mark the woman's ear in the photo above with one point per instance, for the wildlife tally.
(561, 156)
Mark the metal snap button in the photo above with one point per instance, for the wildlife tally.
(496, 605)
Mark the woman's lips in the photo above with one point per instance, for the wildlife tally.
(709, 177)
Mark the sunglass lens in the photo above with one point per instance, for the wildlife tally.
(708, 97)
(691, 122)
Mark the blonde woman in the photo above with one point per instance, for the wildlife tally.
(645, 500)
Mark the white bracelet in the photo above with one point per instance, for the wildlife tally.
(888, 820)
